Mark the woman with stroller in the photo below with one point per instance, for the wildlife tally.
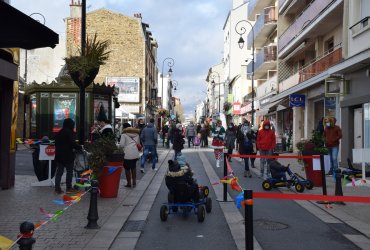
(218, 133)
(178, 139)
(129, 140)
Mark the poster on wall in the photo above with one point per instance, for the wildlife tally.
(100, 106)
(64, 107)
(129, 88)
(33, 113)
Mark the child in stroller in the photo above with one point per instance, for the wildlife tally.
(181, 184)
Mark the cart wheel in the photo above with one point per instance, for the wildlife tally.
(201, 213)
(299, 188)
(266, 185)
(309, 184)
(164, 212)
(205, 191)
(208, 205)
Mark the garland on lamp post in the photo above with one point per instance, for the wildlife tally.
(163, 112)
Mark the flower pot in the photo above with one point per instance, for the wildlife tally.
(86, 81)
(314, 175)
(109, 179)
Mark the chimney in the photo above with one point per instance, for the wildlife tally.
(75, 9)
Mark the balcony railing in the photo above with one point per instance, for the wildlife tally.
(268, 16)
(320, 64)
(281, 3)
(267, 54)
(308, 15)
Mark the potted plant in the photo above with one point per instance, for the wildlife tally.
(84, 68)
(313, 146)
(105, 160)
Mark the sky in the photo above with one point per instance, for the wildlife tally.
(189, 31)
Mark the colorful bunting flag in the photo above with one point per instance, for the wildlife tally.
(5, 243)
(239, 199)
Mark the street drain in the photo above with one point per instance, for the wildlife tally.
(133, 226)
(270, 225)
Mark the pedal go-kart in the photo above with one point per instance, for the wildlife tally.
(180, 203)
(295, 180)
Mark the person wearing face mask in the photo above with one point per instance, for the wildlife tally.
(266, 143)
(218, 133)
(332, 135)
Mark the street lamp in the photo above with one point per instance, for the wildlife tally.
(170, 63)
(241, 31)
(174, 84)
(213, 76)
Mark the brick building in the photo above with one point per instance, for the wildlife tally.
(132, 61)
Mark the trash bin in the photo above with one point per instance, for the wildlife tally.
(41, 168)
(109, 179)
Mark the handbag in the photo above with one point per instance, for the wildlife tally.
(138, 145)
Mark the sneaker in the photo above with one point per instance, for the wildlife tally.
(142, 170)
(329, 173)
(155, 169)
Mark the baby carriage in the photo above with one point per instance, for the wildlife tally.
(196, 141)
(82, 171)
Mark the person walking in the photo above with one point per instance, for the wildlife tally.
(106, 129)
(218, 133)
(149, 138)
(204, 136)
(245, 142)
(65, 143)
(178, 140)
(332, 136)
(230, 136)
(190, 133)
(266, 143)
(129, 140)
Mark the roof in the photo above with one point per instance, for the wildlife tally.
(19, 30)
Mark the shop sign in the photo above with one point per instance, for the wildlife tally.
(245, 109)
(296, 100)
(236, 108)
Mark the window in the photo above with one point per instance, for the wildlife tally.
(329, 45)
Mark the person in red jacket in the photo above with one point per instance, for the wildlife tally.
(332, 135)
(266, 142)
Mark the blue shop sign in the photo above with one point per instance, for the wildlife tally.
(296, 100)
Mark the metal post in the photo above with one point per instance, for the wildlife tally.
(322, 168)
(225, 174)
(248, 199)
(83, 28)
(170, 64)
(338, 186)
(93, 216)
(26, 231)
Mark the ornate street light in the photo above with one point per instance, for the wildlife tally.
(170, 63)
(174, 84)
(213, 75)
(240, 29)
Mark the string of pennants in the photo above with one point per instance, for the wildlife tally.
(67, 200)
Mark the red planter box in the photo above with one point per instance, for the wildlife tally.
(110, 179)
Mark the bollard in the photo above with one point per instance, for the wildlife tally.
(322, 168)
(248, 203)
(26, 240)
(225, 174)
(338, 186)
(93, 216)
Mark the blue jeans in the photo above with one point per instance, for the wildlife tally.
(264, 162)
(246, 164)
(190, 139)
(152, 149)
(333, 153)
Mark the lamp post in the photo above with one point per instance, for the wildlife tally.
(241, 31)
(213, 75)
(170, 63)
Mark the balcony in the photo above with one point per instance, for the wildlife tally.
(319, 17)
(268, 87)
(320, 64)
(256, 6)
(287, 7)
(265, 60)
(265, 24)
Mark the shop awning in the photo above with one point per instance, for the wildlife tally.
(266, 108)
(21, 31)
